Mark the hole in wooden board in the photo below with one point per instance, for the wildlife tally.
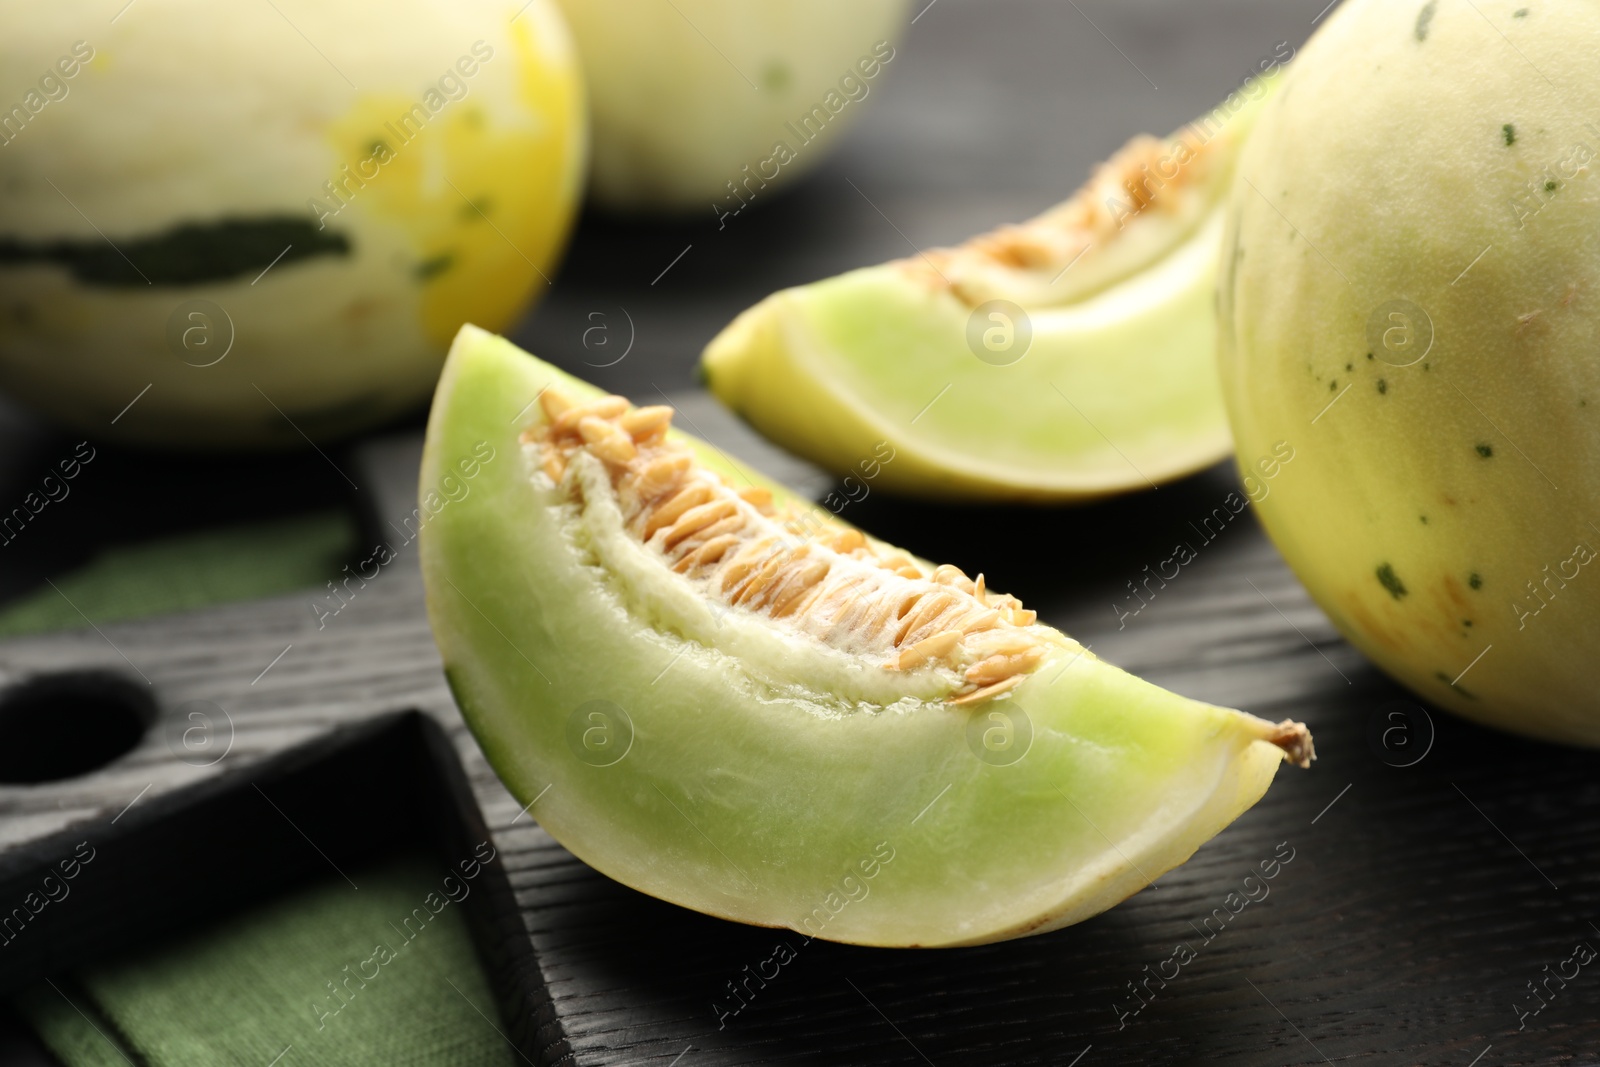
(55, 726)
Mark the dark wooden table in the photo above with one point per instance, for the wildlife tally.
(1436, 871)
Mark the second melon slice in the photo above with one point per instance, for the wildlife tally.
(1070, 357)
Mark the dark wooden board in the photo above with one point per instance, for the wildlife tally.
(1419, 903)
(187, 858)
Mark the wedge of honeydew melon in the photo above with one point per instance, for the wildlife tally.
(1069, 357)
(750, 709)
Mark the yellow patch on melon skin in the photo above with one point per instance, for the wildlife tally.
(459, 188)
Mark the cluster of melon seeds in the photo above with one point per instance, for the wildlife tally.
(830, 583)
(1149, 175)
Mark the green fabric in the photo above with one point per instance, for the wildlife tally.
(255, 986)
(191, 571)
(301, 978)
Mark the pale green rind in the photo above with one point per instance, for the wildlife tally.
(755, 806)
(1409, 157)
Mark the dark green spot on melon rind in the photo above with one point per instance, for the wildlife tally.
(776, 76)
(1485, 451)
(190, 253)
(1510, 132)
(1425, 19)
(1475, 580)
(433, 266)
(1391, 581)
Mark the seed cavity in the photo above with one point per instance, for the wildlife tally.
(1132, 183)
(827, 581)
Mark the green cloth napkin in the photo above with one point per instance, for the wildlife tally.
(329, 975)
(191, 571)
(254, 988)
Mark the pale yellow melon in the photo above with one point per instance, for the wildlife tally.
(150, 194)
(1409, 301)
(692, 99)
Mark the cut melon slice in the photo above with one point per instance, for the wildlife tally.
(721, 696)
(1070, 357)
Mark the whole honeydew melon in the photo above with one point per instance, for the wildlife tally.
(1410, 301)
(1065, 358)
(265, 220)
(709, 691)
(692, 99)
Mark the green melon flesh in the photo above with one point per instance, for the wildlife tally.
(751, 788)
(1116, 390)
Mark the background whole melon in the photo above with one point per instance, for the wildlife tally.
(252, 222)
(691, 98)
(1410, 302)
